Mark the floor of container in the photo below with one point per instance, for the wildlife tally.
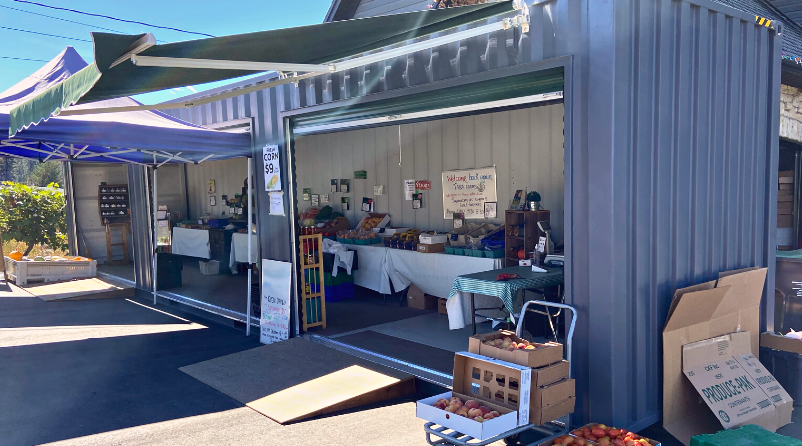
(228, 291)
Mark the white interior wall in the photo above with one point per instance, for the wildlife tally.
(525, 145)
(171, 188)
(229, 178)
(86, 179)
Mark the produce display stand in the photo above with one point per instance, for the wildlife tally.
(445, 436)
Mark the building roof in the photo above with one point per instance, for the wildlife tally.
(791, 8)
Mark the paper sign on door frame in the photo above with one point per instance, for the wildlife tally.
(274, 322)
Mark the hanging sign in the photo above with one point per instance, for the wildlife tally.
(276, 203)
(466, 191)
(274, 322)
(409, 189)
(423, 185)
(272, 167)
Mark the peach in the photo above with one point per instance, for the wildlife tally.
(479, 419)
(522, 346)
(462, 411)
(484, 410)
(471, 404)
(451, 409)
(473, 413)
(507, 339)
(489, 416)
(455, 398)
(495, 413)
(530, 347)
(456, 403)
(441, 404)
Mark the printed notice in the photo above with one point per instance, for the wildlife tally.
(467, 191)
(409, 189)
(274, 322)
(272, 167)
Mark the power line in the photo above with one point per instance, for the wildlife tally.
(59, 18)
(22, 58)
(44, 34)
(112, 18)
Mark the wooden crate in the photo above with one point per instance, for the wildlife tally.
(313, 290)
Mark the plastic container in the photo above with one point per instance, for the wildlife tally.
(459, 251)
(749, 435)
(474, 252)
(786, 368)
(362, 241)
(376, 241)
(218, 223)
(494, 254)
(449, 250)
(337, 293)
(210, 268)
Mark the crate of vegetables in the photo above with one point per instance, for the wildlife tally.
(504, 345)
(601, 435)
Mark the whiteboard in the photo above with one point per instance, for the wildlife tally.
(467, 191)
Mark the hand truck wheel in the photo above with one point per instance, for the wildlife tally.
(512, 440)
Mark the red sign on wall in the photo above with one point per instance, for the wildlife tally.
(423, 185)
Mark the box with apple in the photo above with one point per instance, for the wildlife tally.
(504, 345)
(601, 435)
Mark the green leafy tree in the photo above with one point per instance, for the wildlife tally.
(46, 173)
(33, 215)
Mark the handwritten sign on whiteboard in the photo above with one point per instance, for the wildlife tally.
(274, 322)
(467, 191)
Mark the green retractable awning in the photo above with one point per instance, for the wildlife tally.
(314, 44)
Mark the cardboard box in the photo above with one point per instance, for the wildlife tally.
(491, 380)
(699, 312)
(553, 393)
(542, 415)
(441, 306)
(780, 342)
(386, 232)
(431, 239)
(420, 300)
(489, 428)
(385, 220)
(549, 374)
(428, 249)
(592, 425)
(734, 384)
(545, 354)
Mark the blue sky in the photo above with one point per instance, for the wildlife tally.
(218, 18)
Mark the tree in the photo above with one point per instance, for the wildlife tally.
(33, 215)
(46, 173)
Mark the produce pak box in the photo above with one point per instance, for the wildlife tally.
(734, 384)
(706, 310)
(373, 220)
(543, 415)
(551, 373)
(541, 355)
(507, 421)
(553, 393)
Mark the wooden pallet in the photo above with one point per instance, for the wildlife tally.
(313, 291)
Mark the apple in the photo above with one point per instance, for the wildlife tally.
(618, 442)
(580, 441)
(604, 441)
(591, 438)
(479, 419)
(471, 404)
(598, 432)
(484, 410)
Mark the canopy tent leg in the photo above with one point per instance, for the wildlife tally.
(155, 229)
(250, 265)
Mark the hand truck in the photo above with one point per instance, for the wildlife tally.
(445, 436)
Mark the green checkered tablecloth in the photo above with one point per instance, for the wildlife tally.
(506, 290)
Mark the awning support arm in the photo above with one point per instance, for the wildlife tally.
(521, 20)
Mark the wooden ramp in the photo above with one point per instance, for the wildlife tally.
(298, 379)
(80, 289)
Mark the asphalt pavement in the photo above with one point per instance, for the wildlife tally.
(105, 372)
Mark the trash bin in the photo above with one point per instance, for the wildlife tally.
(168, 271)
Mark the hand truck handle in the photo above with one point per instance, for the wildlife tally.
(569, 338)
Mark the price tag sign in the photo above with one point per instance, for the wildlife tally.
(272, 167)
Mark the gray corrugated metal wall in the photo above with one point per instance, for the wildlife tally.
(671, 148)
(141, 222)
(525, 145)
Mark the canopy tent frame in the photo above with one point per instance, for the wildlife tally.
(289, 73)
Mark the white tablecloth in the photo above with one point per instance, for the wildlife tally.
(433, 273)
(371, 272)
(239, 250)
(191, 242)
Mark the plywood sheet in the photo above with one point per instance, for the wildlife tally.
(93, 288)
(297, 379)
